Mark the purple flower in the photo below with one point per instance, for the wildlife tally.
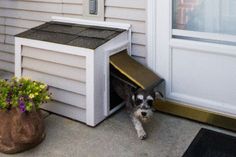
(8, 100)
(22, 106)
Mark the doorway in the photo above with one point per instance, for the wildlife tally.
(196, 52)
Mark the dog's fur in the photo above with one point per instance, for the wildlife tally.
(139, 105)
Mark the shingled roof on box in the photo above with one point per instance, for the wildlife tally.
(77, 35)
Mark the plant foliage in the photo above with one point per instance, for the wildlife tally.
(23, 93)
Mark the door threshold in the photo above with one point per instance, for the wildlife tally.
(196, 114)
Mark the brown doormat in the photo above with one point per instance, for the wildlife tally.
(209, 143)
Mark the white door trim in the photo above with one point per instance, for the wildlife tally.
(151, 34)
(159, 24)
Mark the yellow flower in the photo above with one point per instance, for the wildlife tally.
(42, 86)
(15, 78)
(31, 96)
(47, 97)
(26, 78)
(36, 93)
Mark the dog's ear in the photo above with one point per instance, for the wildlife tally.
(158, 95)
(134, 98)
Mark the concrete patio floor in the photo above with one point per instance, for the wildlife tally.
(168, 136)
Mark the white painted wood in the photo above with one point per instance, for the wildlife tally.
(204, 47)
(92, 23)
(55, 57)
(60, 70)
(54, 81)
(204, 35)
(120, 41)
(163, 36)
(66, 110)
(108, 53)
(90, 95)
(55, 47)
(99, 88)
(70, 98)
(151, 33)
(117, 48)
(209, 83)
(17, 58)
(42, 59)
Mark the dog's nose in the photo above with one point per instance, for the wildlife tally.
(144, 114)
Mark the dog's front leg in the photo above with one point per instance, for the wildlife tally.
(139, 128)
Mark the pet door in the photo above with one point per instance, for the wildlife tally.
(125, 69)
(117, 76)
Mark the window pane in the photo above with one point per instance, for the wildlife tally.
(213, 16)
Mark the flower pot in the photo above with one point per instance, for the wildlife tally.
(20, 131)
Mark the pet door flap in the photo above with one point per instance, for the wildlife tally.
(135, 71)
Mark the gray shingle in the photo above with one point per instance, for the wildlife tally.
(72, 34)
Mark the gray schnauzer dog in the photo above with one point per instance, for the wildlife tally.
(139, 104)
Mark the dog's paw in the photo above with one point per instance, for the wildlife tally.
(142, 135)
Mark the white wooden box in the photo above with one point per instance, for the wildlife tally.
(78, 76)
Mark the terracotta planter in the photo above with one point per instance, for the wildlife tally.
(20, 131)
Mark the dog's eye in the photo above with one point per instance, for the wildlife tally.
(150, 102)
(138, 101)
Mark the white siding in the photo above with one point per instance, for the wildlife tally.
(19, 15)
(134, 13)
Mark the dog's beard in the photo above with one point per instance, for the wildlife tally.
(144, 119)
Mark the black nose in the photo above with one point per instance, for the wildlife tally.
(144, 114)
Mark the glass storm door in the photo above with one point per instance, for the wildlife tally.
(205, 20)
(196, 52)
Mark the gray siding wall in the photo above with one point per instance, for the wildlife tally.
(19, 15)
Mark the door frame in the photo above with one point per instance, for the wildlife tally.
(159, 24)
(161, 64)
(159, 57)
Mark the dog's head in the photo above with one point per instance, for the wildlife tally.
(143, 106)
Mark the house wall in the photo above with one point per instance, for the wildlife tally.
(17, 16)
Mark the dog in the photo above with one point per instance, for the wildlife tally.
(139, 104)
